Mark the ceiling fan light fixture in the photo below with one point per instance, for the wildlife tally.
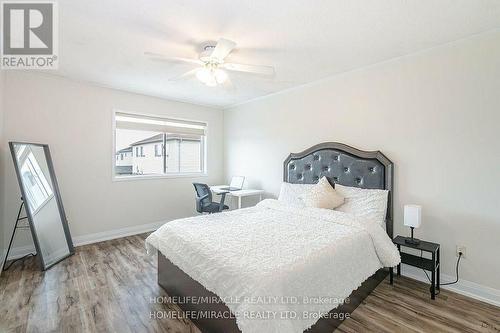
(211, 76)
(220, 76)
(214, 70)
(212, 82)
(204, 75)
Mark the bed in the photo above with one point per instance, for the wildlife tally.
(275, 268)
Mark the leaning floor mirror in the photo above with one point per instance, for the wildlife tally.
(42, 202)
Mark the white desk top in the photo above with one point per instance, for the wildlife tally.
(239, 193)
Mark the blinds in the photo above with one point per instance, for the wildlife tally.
(158, 124)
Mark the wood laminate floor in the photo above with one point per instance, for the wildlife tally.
(111, 287)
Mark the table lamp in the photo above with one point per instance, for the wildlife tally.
(412, 219)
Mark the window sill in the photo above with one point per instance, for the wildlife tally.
(148, 177)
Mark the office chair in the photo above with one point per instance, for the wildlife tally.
(204, 203)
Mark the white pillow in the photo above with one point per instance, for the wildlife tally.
(365, 204)
(322, 195)
(289, 193)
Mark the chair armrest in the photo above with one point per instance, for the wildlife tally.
(203, 197)
(221, 192)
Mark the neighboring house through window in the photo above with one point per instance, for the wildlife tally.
(162, 146)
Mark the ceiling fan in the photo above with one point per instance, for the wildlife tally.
(211, 63)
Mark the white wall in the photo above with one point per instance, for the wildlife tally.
(75, 120)
(435, 114)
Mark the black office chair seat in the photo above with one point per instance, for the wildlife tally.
(214, 207)
(204, 203)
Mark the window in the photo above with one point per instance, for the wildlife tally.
(158, 150)
(159, 146)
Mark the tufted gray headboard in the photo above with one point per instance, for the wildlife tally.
(345, 165)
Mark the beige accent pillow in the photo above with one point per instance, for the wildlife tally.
(322, 195)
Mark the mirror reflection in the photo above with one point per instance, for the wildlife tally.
(41, 202)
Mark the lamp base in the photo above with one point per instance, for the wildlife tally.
(412, 241)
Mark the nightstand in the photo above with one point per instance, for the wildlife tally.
(431, 265)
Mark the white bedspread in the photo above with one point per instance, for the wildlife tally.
(271, 263)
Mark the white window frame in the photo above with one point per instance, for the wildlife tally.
(114, 177)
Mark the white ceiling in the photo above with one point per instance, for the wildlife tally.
(103, 41)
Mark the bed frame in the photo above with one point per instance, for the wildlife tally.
(341, 164)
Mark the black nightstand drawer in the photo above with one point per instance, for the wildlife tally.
(412, 260)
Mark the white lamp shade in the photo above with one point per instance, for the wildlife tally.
(412, 216)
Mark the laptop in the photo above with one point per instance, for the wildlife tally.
(236, 184)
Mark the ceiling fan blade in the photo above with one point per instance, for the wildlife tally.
(222, 49)
(161, 57)
(255, 69)
(184, 75)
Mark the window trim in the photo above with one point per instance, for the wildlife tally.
(158, 148)
(204, 160)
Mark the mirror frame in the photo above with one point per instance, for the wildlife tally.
(57, 195)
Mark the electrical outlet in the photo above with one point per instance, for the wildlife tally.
(463, 249)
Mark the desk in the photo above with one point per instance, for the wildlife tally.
(239, 194)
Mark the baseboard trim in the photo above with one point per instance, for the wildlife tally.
(116, 233)
(20, 251)
(463, 287)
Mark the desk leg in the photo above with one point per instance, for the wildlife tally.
(239, 202)
(399, 266)
(391, 275)
(433, 282)
(260, 197)
(438, 273)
